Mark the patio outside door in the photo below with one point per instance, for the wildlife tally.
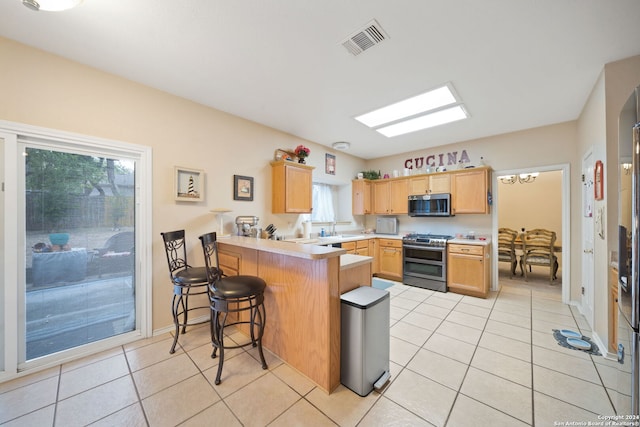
(79, 282)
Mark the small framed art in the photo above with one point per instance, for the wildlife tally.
(242, 188)
(330, 164)
(188, 184)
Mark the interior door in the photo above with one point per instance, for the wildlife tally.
(587, 237)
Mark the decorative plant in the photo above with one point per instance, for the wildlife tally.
(302, 151)
(370, 174)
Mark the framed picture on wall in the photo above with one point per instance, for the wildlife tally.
(188, 184)
(598, 178)
(242, 188)
(330, 164)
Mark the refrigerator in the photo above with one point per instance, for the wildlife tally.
(626, 400)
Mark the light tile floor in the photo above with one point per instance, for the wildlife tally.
(455, 361)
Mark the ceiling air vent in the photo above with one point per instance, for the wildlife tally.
(371, 35)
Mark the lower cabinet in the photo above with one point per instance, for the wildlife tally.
(358, 247)
(390, 259)
(468, 268)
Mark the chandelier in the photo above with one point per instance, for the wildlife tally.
(523, 178)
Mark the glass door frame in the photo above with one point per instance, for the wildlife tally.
(13, 278)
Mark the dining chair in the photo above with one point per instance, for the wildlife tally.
(537, 247)
(507, 248)
(187, 282)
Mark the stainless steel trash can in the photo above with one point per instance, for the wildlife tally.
(364, 340)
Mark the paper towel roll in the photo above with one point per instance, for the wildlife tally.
(306, 229)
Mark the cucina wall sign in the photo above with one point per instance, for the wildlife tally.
(436, 160)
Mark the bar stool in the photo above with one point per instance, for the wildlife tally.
(232, 294)
(187, 281)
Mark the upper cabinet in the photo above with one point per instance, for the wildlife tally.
(390, 197)
(291, 189)
(468, 188)
(427, 184)
(361, 197)
(470, 191)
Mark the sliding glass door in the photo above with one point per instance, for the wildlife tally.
(75, 246)
(79, 259)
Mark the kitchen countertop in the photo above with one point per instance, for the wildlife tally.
(350, 260)
(471, 241)
(283, 247)
(342, 238)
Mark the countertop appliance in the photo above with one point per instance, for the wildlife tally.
(424, 261)
(386, 225)
(247, 225)
(430, 204)
(627, 400)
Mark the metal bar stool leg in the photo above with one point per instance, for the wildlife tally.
(185, 307)
(262, 317)
(221, 348)
(175, 306)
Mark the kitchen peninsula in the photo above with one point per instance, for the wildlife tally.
(302, 299)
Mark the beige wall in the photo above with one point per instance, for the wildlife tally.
(532, 205)
(45, 90)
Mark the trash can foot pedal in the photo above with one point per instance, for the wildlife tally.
(382, 381)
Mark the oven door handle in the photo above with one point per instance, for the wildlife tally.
(428, 248)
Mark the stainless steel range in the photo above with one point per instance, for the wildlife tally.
(424, 259)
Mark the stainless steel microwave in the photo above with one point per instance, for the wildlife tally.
(430, 204)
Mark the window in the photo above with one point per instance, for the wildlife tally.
(324, 202)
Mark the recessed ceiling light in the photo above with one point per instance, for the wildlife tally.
(428, 101)
(51, 5)
(426, 121)
(341, 145)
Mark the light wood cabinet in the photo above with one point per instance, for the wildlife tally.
(390, 197)
(426, 184)
(358, 247)
(373, 252)
(468, 188)
(390, 259)
(469, 191)
(291, 189)
(440, 183)
(468, 269)
(362, 247)
(360, 197)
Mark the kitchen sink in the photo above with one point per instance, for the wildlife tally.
(339, 237)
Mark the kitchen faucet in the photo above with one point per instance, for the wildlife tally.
(333, 228)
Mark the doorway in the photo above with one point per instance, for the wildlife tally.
(534, 201)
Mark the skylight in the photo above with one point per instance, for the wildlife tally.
(440, 117)
(400, 117)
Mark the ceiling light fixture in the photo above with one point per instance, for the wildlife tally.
(341, 145)
(523, 178)
(427, 101)
(51, 5)
(426, 121)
